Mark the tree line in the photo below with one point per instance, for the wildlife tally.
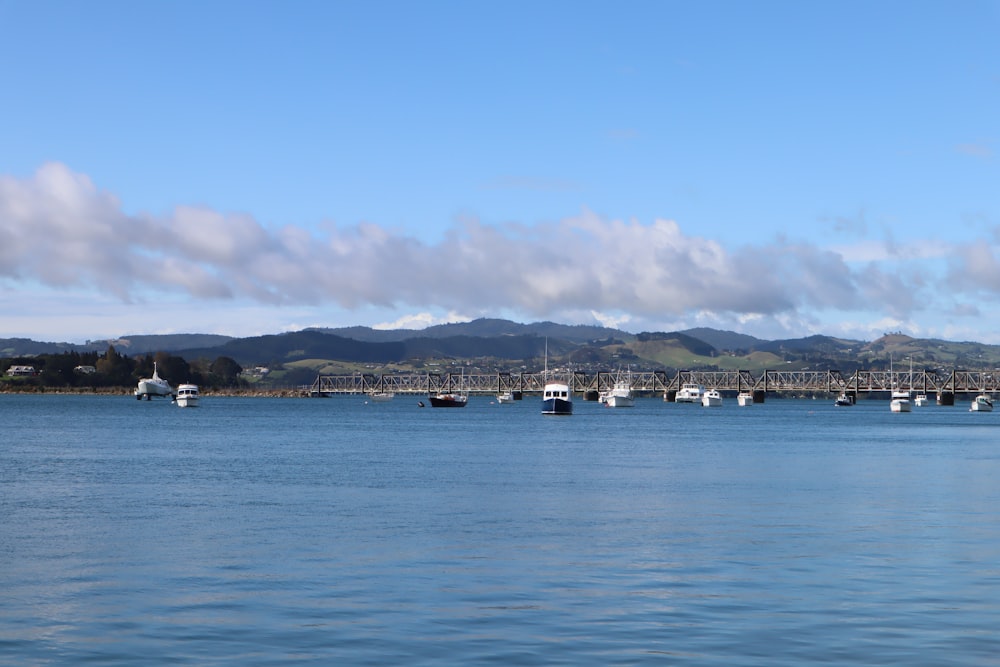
(112, 369)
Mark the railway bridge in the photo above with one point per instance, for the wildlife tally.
(942, 384)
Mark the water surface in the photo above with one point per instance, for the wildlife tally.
(259, 531)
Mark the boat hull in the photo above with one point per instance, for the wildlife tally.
(557, 406)
(614, 401)
(150, 388)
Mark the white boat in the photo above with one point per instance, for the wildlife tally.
(187, 396)
(505, 397)
(620, 395)
(557, 399)
(381, 396)
(711, 399)
(153, 386)
(900, 401)
(921, 400)
(690, 393)
(982, 403)
(744, 398)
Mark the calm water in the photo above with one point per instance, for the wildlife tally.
(270, 531)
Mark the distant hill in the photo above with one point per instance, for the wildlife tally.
(480, 328)
(495, 343)
(724, 340)
(130, 345)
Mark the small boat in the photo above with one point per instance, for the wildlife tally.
(153, 386)
(844, 401)
(711, 399)
(744, 398)
(921, 400)
(557, 399)
(448, 400)
(381, 396)
(689, 393)
(620, 395)
(982, 403)
(187, 396)
(505, 397)
(900, 401)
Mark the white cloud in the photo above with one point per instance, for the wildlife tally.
(59, 230)
(421, 321)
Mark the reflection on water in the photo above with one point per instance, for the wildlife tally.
(263, 531)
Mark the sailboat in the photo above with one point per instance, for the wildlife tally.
(900, 400)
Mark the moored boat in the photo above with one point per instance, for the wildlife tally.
(187, 396)
(982, 403)
(711, 399)
(153, 386)
(921, 400)
(900, 401)
(557, 399)
(505, 397)
(844, 401)
(744, 399)
(620, 395)
(690, 392)
(448, 400)
(381, 396)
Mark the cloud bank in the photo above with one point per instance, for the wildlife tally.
(58, 229)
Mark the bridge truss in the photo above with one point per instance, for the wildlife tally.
(660, 382)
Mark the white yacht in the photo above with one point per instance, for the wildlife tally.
(690, 393)
(744, 399)
(711, 399)
(187, 396)
(921, 400)
(900, 401)
(505, 397)
(153, 386)
(620, 395)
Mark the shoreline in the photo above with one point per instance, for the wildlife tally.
(130, 393)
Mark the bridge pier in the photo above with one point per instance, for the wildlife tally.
(946, 398)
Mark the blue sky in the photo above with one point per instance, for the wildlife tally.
(775, 168)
